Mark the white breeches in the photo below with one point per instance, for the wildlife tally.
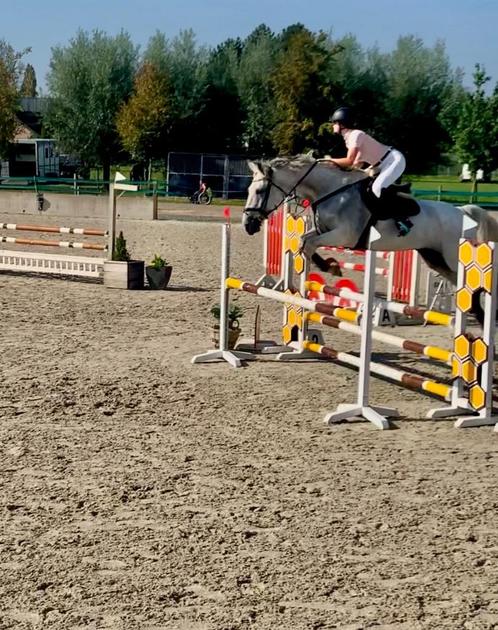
(390, 169)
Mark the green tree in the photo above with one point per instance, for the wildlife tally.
(360, 81)
(11, 69)
(184, 62)
(89, 80)
(254, 88)
(419, 83)
(476, 140)
(28, 87)
(220, 116)
(301, 88)
(143, 122)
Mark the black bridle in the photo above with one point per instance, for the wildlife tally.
(292, 193)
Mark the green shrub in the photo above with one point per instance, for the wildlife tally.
(120, 252)
(235, 313)
(158, 263)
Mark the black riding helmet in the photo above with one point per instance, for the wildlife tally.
(343, 116)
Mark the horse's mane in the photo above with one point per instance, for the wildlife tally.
(294, 162)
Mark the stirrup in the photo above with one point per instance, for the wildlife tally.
(404, 227)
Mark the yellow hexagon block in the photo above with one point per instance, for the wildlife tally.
(473, 278)
(466, 253)
(291, 317)
(287, 334)
(300, 226)
(479, 351)
(483, 255)
(294, 242)
(286, 243)
(461, 347)
(487, 280)
(290, 225)
(468, 371)
(477, 397)
(455, 367)
(464, 299)
(299, 263)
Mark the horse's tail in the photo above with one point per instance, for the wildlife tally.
(487, 227)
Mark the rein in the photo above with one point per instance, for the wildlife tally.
(329, 195)
(291, 194)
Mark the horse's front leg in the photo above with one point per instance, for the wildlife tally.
(311, 241)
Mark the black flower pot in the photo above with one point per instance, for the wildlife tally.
(158, 278)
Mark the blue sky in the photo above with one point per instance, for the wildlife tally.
(469, 28)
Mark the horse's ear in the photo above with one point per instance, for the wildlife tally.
(254, 166)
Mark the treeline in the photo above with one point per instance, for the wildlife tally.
(267, 94)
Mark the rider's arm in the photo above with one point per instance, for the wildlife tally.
(349, 159)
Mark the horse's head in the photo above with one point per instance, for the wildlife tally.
(263, 197)
(289, 177)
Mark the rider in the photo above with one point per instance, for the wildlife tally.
(389, 163)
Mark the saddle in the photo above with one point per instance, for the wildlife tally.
(395, 202)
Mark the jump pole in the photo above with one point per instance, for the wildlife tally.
(41, 243)
(233, 357)
(344, 323)
(433, 317)
(53, 229)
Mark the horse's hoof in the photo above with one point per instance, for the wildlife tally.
(334, 267)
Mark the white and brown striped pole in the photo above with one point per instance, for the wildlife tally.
(407, 379)
(434, 317)
(431, 352)
(54, 229)
(40, 243)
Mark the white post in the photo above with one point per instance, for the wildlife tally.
(415, 280)
(111, 222)
(233, 357)
(224, 297)
(362, 408)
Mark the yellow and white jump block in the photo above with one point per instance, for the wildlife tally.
(473, 357)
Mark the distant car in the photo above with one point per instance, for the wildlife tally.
(466, 175)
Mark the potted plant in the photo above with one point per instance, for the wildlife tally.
(122, 272)
(158, 273)
(235, 313)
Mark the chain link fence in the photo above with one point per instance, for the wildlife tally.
(228, 176)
